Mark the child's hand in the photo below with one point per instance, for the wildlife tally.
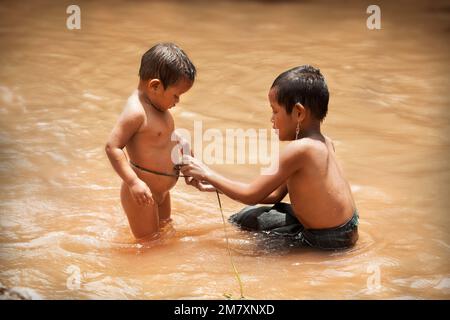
(194, 168)
(202, 186)
(205, 186)
(141, 193)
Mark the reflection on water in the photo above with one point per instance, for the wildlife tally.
(61, 92)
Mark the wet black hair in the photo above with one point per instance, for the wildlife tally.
(306, 85)
(168, 63)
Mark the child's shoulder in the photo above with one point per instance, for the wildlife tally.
(133, 112)
(134, 103)
(310, 146)
(329, 142)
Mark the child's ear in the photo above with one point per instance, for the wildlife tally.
(301, 111)
(154, 84)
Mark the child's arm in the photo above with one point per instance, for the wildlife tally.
(277, 195)
(127, 125)
(186, 149)
(202, 186)
(258, 190)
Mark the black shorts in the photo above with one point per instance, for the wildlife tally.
(280, 220)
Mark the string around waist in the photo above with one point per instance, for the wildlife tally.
(176, 175)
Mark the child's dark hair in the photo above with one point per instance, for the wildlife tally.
(305, 85)
(168, 63)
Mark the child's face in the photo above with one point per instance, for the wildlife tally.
(166, 98)
(285, 123)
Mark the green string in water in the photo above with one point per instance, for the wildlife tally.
(229, 252)
(227, 295)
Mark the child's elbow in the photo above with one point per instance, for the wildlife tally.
(109, 147)
(250, 203)
(251, 199)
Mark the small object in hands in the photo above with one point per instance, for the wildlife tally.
(178, 166)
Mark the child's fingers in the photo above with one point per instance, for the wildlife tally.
(198, 185)
(144, 200)
(192, 182)
(148, 198)
(138, 200)
(206, 187)
(185, 169)
(187, 159)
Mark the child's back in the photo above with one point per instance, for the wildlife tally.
(319, 193)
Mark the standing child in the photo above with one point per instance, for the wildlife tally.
(145, 129)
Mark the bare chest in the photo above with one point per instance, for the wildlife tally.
(157, 130)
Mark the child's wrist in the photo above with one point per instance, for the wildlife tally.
(208, 176)
(132, 182)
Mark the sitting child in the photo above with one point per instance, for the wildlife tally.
(145, 128)
(322, 212)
